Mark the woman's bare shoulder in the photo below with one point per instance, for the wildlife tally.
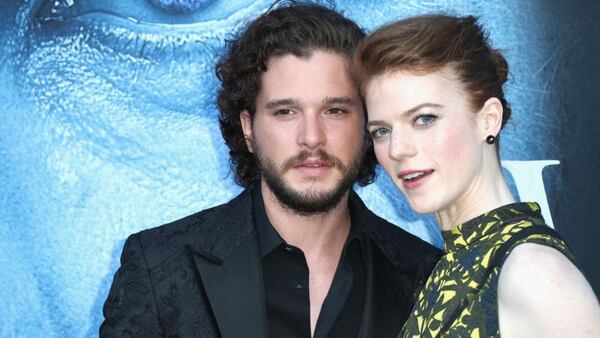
(542, 293)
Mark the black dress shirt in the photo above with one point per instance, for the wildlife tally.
(286, 276)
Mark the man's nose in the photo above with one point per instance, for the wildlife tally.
(312, 131)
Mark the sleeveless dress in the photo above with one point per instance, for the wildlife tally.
(460, 297)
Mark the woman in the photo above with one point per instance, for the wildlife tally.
(433, 90)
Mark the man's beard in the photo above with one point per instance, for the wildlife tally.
(310, 202)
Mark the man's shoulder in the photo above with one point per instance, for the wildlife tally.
(200, 231)
(197, 222)
(397, 244)
(398, 241)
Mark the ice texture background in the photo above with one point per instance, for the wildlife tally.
(108, 126)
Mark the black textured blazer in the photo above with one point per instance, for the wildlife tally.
(201, 276)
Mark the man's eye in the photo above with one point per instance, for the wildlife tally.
(284, 112)
(425, 119)
(336, 111)
(379, 132)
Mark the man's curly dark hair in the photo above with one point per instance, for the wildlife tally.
(287, 28)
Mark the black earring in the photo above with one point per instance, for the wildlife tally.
(491, 139)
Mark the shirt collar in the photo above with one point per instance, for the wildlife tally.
(268, 238)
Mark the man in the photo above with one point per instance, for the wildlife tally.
(297, 254)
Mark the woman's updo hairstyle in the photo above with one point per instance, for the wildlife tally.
(426, 43)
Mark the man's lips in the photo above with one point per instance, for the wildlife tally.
(313, 168)
(313, 164)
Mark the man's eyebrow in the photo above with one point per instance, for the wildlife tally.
(280, 103)
(328, 100)
(341, 100)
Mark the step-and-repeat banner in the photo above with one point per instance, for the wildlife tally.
(108, 126)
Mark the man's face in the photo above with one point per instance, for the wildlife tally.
(308, 130)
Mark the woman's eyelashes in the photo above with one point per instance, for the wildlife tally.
(379, 132)
(419, 120)
(424, 119)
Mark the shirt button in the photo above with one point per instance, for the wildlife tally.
(299, 286)
(288, 248)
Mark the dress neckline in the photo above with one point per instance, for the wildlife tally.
(490, 222)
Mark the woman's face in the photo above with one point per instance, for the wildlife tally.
(426, 136)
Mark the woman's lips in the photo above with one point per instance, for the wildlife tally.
(412, 179)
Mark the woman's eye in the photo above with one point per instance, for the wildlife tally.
(425, 119)
(379, 132)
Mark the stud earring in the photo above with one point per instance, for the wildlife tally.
(491, 139)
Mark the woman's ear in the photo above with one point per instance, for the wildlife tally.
(490, 118)
(246, 121)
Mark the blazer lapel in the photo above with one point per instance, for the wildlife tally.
(235, 291)
(227, 258)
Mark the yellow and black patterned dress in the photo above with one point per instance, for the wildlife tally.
(460, 297)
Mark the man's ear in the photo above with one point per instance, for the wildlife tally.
(246, 121)
(490, 118)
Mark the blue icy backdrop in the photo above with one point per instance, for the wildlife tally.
(108, 126)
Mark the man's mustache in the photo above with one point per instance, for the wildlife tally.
(321, 154)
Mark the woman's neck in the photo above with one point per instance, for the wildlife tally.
(485, 193)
